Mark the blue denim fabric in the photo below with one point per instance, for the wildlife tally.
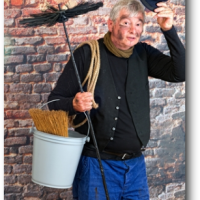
(125, 179)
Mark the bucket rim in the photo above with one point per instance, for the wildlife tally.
(58, 137)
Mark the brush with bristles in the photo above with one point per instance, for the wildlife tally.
(53, 122)
(49, 18)
(53, 15)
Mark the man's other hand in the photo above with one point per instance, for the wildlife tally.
(83, 101)
(164, 16)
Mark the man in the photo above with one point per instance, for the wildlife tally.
(121, 121)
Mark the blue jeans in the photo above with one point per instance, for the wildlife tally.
(125, 179)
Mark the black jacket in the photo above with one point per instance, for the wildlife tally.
(145, 61)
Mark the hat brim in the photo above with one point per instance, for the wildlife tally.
(147, 5)
(151, 4)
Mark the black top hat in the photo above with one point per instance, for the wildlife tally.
(151, 4)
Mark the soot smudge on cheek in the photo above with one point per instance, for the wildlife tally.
(119, 35)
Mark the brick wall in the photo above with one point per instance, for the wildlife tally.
(35, 58)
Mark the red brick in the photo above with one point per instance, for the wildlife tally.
(13, 159)
(20, 31)
(24, 179)
(52, 196)
(78, 39)
(43, 67)
(9, 41)
(45, 97)
(51, 77)
(25, 123)
(18, 114)
(66, 195)
(33, 190)
(35, 58)
(26, 12)
(28, 159)
(45, 49)
(99, 20)
(9, 123)
(18, 132)
(5, 69)
(12, 13)
(9, 22)
(55, 40)
(56, 57)
(24, 68)
(11, 68)
(101, 11)
(16, 2)
(21, 87)
(33, 193)
(15, 141)
(42, 88)
(26, 149)
(19, 50)
(78, 30)
(180, 11)
(7, 169)
(21, 168)
(5, 98)
(12, 78)
(9, 196)
(24, 97)
(13, 59)
(6, 88)
(26, 106)
(63, 48)
(103, 29)
(31, 2)
(81, 21)
(14, 150)
(4, 115)
(5, 132)
(11, 105)
(27, 78)
(57, 67)
(6, 4)
(6, 31)
(9, 179)
(31, 140)
(12, 189)
(6, 150)
(28, 40)
(46, 31)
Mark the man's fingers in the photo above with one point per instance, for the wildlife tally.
(162, 6)
(83, 101)
(163, 9)
(85, 96)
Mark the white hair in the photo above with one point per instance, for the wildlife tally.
(132, 6)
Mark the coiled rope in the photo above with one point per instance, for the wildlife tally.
(91, 77)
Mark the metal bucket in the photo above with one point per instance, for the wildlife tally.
(56, 158)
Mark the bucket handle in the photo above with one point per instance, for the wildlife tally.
(87, 138)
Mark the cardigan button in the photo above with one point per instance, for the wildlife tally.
(117, 107)
(116, 118)
(111, 138)
(119, 97)
(113, 128)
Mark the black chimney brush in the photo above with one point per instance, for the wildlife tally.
(49, 18)
(53, 15)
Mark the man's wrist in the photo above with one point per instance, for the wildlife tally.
(167, 29)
